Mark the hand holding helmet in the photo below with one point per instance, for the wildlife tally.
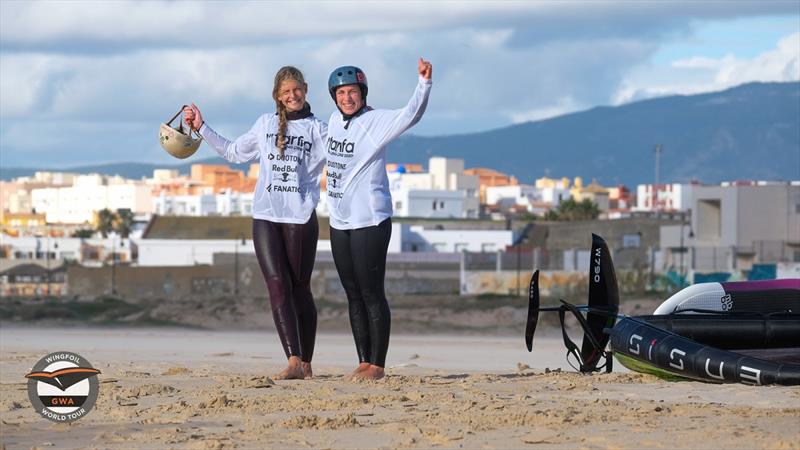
(193, 117)
(175, 141)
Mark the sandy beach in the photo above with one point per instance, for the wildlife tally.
(179, 388)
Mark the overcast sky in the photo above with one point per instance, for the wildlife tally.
(89, 82)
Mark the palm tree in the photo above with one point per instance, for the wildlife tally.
(124, 222)
(105, 221)
(569, 210)
(84, 233)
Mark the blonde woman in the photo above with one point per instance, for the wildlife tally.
(290, 146)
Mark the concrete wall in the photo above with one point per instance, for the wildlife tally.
(768, 213)
(433, 276)
(568, 285)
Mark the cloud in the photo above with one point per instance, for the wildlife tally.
(114, 25)
(86, 67)
(562, 106)
(703, 74)
(780, 64)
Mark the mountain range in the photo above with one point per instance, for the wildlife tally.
(750, 132)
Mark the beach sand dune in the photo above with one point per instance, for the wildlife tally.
(172, 388)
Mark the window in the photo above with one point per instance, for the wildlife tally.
(631, 240)
(709, 219)
(434, 205)
(441, 205)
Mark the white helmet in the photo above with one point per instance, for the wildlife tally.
(177, 143)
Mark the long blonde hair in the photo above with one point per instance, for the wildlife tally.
(285, 73)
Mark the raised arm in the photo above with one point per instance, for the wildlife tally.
(243, 149)
(396, 122)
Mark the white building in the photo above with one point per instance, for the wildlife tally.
(732, 226)
(15, 196)
(443, 192)
(429, 203)
(228, 203)
(664, 197)
(448, 174)
(417, 239)
(534, 199)
(185, 205)
(85, 251)
(188, 252)
(519, 194)
(89, 194)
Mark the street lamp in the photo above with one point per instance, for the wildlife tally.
(236, 262)
(55, 247)
(47, 257)
(683, 249)
(113, 267)
(37, 255)
(114, 263)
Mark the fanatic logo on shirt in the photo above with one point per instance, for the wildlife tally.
(295, 142)
(341, 148)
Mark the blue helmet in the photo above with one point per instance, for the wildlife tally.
(347, 75)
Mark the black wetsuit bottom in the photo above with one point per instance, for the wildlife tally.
(286, 254)
(360, 258)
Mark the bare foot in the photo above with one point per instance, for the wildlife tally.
(307, 372)
(361, 367)
(372, 372)
(293, 372)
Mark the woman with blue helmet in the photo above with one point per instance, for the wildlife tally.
(360, 204)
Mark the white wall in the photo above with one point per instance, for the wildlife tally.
(185, 205)
(77, 204)
(232, 203)
(521, 194)
(64, 248)
(428, 203)
(187, 252)
(455, 194)
(416, 238)
(670, 197)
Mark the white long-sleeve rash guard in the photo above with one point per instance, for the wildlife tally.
(287, 189)
(358, 187)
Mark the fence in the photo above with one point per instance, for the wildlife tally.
(563, 272)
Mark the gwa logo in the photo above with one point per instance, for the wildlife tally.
(63, 386)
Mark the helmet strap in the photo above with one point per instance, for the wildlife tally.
(348, 117)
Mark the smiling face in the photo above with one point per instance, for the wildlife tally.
(292, 94)
(349, 99)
